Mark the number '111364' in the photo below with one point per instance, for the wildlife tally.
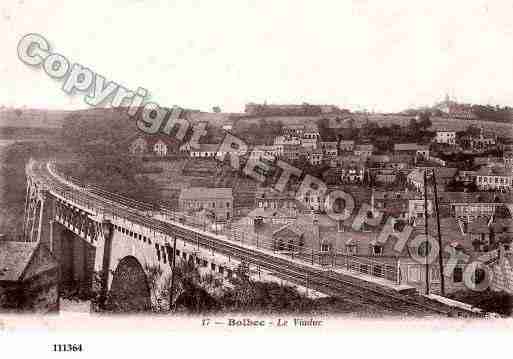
(67, 347)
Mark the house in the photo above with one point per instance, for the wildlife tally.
(469, 206)
(392, 203)
(336, 242)
(416, 208)
(139, 146)
(329, 149)
(292, 153)
(363, 150)
(487, 161)
(217, 201)
(385, 176)
(281, 141)
(416, 179)
(228, 125)
(446, 136)
(315, 157)
(408, 206)
(481, 142)
(310, 136)
(205, 150)
(467, 177)
(293, 131)
(351, 170)
(29, 277)
(269, 198)
(444, 176)
(419, 151)
(400, 161)
(212, 150)
(270, 216)
(160, 148)
(508, 158)
(379, 161)
(263, 152)
(346, 145)
(479, 235)
(493, 177)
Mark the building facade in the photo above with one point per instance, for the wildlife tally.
(216, 201)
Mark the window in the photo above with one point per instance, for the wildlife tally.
(340, 226)
(377, 250)
(158, 252)
(212, 266)
(325, 247)
(435, 274)
(457, 275)
(227, 204)
(414, 273)
(479, 276)
(164, 254)
(377, 271)
(364, 268)
(170, 254)
(291, 245)
(351, 249)
(280, 245)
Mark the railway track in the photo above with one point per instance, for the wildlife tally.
(348, 288)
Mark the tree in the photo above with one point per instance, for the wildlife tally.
(425, 121)
(413, 128)
(216, 109)
(472, 131)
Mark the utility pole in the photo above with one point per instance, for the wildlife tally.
(440, 259)
(426, 231)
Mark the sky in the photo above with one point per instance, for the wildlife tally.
(381, 56)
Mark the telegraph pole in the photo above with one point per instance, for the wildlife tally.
(440, 259)
(426, 231)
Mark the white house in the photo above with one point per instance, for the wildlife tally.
(363, 150)
(495, 178)
(160, 148)
(446, 136)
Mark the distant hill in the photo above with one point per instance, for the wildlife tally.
(32, 118)
(54, 119)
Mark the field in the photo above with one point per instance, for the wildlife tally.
(499, 128)
(186, 173)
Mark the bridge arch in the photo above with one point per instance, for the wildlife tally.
(129, 291)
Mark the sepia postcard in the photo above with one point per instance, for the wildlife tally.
(295, 173)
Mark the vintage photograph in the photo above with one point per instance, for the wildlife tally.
(232, 162)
